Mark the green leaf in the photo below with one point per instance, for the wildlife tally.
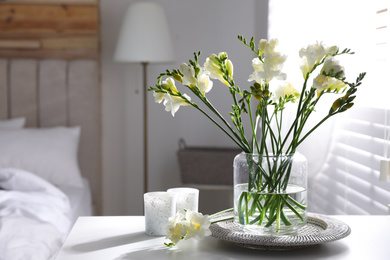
(285, 219)
(241, 211)
(293, 209)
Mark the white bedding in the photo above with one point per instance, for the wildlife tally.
(35, 216)
(80, 200)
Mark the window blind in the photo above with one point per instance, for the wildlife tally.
(348, 181)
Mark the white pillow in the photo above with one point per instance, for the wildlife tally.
(50, 153)
(14, 123)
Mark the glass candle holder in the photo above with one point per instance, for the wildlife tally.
(159, 207)
(188, 198)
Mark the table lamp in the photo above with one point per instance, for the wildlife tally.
(144, 38)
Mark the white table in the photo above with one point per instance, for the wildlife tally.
(120, 238)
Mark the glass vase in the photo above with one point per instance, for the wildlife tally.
(270, 193)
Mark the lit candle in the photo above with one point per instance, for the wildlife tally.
(159, 207)
(187, 198)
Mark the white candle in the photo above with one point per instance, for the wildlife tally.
(187, 198)
(159, 207)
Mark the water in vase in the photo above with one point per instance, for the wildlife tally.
(290, 217)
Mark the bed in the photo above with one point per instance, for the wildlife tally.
(50, 125)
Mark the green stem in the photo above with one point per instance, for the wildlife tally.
(244, 146)
(220, 127)
(315, 127)
(239, 126)
(300, 102)
(220, 212)
(222, 219)
(254, 127)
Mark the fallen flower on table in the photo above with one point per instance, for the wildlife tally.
(191, 224)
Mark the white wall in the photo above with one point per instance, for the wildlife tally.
(209, 26)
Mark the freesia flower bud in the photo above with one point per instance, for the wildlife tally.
(347, 106)
(169, 84)
(229, 67)
(332, 50)
(336, 104)
(178, 77)
(346, 96)
(213, 58)
(222, 55)
(257, 86)
(258, 97)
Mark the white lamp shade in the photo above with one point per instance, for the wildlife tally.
(144, 36)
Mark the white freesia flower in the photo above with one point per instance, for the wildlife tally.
(331, 50)
(271, 65)
(323, 82)
(258, 73)
(320, 82)
(285, 89)
(313, 54)
(264, 45)
(168, 84)
(213, 66)
(336, 84)
(192, 225)
(158, 96)
(204, 82)
(176, 229)
(331, 65)
(188, 75)
(173, 103)
(198, 225)
(265, 71)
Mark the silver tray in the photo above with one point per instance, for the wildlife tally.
(319, 229)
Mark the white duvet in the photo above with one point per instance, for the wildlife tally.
(34, 216)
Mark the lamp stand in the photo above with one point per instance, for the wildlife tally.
(144, 70)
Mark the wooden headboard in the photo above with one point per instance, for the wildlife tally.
(50, 72)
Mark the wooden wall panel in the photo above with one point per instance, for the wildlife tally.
(3, 89)
(65, 19)
(23, 86)
(49, 30)
(53, 93)
(84, 110)
(48, 54)
(75, 2)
